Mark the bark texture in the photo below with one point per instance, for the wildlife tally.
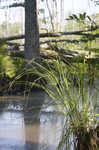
(32, 49)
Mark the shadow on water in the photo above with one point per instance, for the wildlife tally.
(23, 126)
(6, 144)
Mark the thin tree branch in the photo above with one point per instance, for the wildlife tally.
(13, 5)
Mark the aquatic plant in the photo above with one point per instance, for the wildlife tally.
(68, 87)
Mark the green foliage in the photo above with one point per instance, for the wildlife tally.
(68, 88)
(8, 65)
(82, 18)
(88, 41)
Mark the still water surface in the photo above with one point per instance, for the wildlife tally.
(25, 126)
(29, 130)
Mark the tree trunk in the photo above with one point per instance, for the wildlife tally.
(32, 50)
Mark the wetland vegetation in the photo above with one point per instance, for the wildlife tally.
(65, 66)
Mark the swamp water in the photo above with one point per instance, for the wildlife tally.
(31, 128)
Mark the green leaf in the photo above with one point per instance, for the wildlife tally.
(75, 17)
(89, 18)
(81, 16)
(70, 18)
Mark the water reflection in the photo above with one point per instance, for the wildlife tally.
(43, 133)
(12, 126)
(20, 130)
(24, 127)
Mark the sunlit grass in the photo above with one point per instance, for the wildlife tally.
(68, 87)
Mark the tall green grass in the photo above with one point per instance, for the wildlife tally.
(68, 87)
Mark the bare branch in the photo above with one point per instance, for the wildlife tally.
(62, 40)
(13, 5)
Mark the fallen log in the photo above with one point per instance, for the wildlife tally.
(59, 34)
(50, 41)
(13, 43)
(62, 40)
(11, 38)
(66, 56)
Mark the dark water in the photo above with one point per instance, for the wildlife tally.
(23, 126)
